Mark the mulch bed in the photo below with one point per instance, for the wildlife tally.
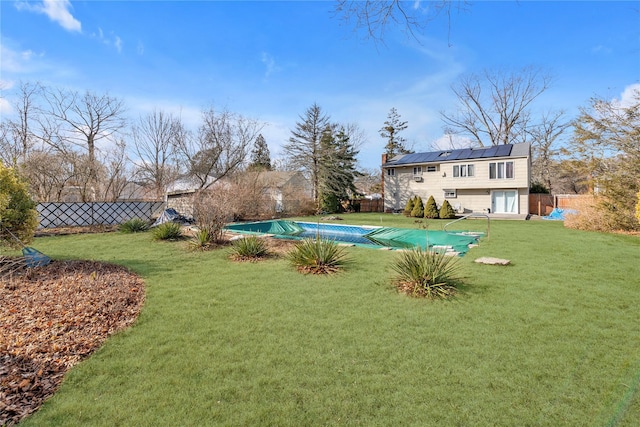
(51, 318)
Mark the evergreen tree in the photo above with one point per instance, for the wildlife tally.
(408, 207)
(431, 209)
(303, 149)
(260, 156)
(337, 169)
(390, 131)
(446, 211)
(418, 208)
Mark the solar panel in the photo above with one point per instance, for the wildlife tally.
(459, 154)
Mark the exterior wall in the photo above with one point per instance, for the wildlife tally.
(473, 194)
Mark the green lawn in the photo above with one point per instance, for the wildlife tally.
(552, 340)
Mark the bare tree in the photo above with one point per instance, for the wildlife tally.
(17, 136)
(154, 138)
(494, 106)
(374, 17)
(79, 120)
(48, 174)
(117, 172)
(544, 137)
(220, 146)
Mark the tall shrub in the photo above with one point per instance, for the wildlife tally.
(446, 211)
(431, 209)
(418, 208)
(408, 207)
(18, 214)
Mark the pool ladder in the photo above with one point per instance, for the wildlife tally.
(471, 215)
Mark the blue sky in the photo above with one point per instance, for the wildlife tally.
(271, 60)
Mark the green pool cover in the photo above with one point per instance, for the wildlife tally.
(361, 235)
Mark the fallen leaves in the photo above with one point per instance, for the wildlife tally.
(51, 318)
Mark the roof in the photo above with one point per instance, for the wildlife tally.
(507, 150)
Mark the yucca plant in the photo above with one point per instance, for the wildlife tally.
(134, 225)
(201, 239)
(250, 248)
(319, 256)
(168, 231)
(425, 273)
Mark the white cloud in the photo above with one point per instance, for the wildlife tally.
(629, 95)
(57, 10)
(108, 40)
(15, 61)
(270, 64)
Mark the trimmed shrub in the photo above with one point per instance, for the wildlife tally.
(250, 248)
(168, 231)
(319, 256)
(431, 209)
(418, 208)
(134, 225)
(408, 207)
(426, 274)
(446, 211)
(18, 212)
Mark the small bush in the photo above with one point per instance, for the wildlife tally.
(134, 225)
(18, 214)
(446, 211)
(418, 208)
(427, 274)
(408, 207)
(201, 239)
(168, 231)
(319, 256)
(250, 248)
(431, 209)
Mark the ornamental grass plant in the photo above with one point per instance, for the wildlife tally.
(425, 273)
(317, 256)
(250, 248)
(168, 231)
(134, 225)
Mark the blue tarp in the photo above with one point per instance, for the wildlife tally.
(558, 214)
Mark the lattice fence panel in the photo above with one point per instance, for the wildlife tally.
(56, 214)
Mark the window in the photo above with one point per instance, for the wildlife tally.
(417, 170)
(432, 168)
(463, 170)
(391, 172)
(501, 170)
(450, 194)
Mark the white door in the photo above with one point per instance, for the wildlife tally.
(504, 201)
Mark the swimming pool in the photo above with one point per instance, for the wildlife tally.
(369, 236)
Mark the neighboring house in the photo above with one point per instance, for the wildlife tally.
(260, 194)
(488, 179)
(285, 189)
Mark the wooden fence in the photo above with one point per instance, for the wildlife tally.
(369, 205)
(62, 214)
(543, 204)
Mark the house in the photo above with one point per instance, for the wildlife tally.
(486, 179)
(257, 194)
(287, 190)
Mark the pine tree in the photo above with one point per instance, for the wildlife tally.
(337, 169)
(431, 209)
(418, 208)
(392, 127)
(408, 207)
(303, 149)
(446, 211)
(260, 156)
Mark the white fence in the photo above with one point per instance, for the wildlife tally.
(61, 214)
